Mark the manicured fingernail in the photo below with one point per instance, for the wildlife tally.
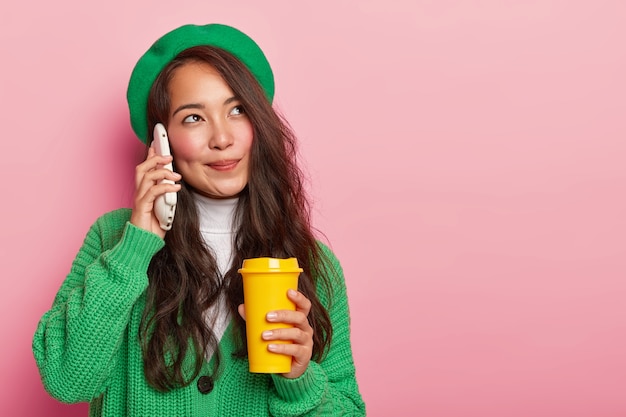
(271, 316)
(272, 347)
(267, 334)
(293, 293)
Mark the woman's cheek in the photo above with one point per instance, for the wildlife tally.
(186, 148)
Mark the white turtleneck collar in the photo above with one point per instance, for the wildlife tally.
(216, 227)
(216, 215)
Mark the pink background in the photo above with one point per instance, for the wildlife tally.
(467, 163)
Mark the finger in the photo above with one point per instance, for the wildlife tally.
(296, 318)
(149, 190)
(153, 160)
(291, 334)
(301, 353)
(242, 311)
(300, 357)
(153, 179)
(300, 300)
(151, 163)
(159, 174)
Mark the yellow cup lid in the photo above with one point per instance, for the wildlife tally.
(270, 265)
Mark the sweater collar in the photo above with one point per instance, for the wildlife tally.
(215, 215)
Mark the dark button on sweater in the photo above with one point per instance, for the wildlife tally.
(205, 384)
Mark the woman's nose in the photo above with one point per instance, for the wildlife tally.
(221, 137)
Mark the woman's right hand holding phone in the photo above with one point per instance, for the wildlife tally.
(148, 187)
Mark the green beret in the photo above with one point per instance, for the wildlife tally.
(166, 48)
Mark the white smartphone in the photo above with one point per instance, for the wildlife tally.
(165, 204)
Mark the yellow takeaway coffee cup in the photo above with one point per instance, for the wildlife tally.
(265, 285)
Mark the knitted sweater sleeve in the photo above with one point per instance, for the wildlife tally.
(76, 342)
(327, 388)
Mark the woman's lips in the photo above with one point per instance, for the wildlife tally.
(227, 165)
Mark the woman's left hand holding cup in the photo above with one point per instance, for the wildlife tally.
(300, 335)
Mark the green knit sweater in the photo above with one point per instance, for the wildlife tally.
(87, 349)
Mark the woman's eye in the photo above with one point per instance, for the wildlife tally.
(191, 118)
(237, 110)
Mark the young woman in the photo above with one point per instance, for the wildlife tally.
(151, 323)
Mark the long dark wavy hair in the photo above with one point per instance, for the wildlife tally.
(273, 218)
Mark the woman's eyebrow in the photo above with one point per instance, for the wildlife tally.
(230, 100)
(188, 106)
(201, 106)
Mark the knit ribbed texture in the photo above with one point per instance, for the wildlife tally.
(87, 348)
